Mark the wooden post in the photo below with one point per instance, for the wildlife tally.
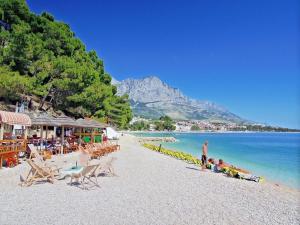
(54, 132)
(92, 135)
(46, 137)
(62, 139)
(26, 133)
(2, 131)
(46, 132)
(80, 136)
(41, 132)
(41, 139)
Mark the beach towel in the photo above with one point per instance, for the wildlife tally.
(250, 177)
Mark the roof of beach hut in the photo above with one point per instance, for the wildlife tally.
(13, 118)
(90, 123)
(44, 119)
(66, 121)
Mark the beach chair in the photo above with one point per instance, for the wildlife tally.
(106, 167)
(35, 154)
(38, 174)
(98, 150)
(70, 147)
(87, 174)
(38, 159)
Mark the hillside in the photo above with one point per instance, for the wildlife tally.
(43, 58)
(152, 98)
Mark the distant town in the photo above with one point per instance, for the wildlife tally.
(167, 124)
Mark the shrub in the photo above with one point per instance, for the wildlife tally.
(175, 154)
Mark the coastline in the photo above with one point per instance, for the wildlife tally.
(150, 188)
(277, 184)
(283, 180)
(283, 186)
(209, 132)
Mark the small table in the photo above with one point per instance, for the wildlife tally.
(70, 171)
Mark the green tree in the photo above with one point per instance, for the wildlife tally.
(140, 125)
(13, 85)
(195, 128)
(165, 123)
(51, 61)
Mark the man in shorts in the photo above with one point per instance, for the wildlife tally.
(204, 155)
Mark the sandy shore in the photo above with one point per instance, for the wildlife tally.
(150, 189)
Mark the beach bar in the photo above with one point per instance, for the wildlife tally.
(94, 126)
(45, 120)
(65, 134)
(12, 142)
(66, 125)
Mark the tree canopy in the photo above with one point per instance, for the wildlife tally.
(140, 125)
(195, 128)
(41, 56)
(165, 123)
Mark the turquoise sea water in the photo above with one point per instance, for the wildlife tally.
(276, 156)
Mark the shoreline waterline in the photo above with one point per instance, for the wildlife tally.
(274, 156)
(278, 184)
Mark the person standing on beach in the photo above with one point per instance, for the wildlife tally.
(204, 155)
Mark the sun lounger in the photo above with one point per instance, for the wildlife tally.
(106, 167)
(35, 154)
(38, 159)
(38, 174)
(87, 174)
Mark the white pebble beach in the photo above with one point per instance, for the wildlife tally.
(150, 188)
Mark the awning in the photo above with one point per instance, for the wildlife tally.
(12, 118)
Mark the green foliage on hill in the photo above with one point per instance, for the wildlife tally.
(165, 123)
(140, 125)
(260, 128)
(12, 84)
(195, 128)
(40, 56)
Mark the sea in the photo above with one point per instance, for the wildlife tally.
(275, 156)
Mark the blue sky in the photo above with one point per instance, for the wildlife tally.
(241, 54)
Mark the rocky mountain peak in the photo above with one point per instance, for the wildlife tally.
(149, 89)
(151, 97)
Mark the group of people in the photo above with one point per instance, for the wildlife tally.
(216, 165)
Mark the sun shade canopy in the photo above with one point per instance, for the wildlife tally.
(12, 118)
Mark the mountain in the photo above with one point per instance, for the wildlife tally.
(151, 98)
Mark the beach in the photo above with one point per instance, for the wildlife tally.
(150, 188)
(271, 155)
